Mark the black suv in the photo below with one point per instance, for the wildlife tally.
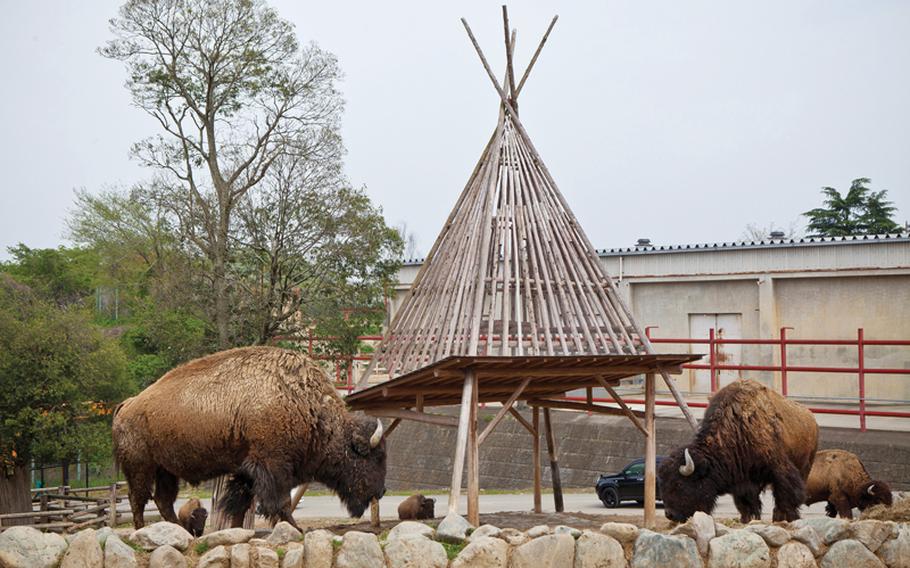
(627, 485)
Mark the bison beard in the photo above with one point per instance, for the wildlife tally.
(750, 437)
(269, 417)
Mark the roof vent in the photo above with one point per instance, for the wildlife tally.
(643, 243)
(777, 235)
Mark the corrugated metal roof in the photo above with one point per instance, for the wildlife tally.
(740, 245)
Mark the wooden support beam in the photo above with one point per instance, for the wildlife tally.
(502, 412)
(554, 462)
(391, 428)
(473, 458)
(628, 411)
(523, 421)
(461, 442)
(580, 406)
(437, 419)
(588, 372)
(650, 454)
(536, 460)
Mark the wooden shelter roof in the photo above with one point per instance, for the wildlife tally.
(498, 377)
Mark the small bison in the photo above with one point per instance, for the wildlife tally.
(417, 507)
(840, 478)
(192, 516)
(750, 437)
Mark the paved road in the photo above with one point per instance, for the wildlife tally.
(329, 507)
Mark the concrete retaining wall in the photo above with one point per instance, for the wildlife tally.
(420, 456)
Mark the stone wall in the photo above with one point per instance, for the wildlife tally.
(420, 456)
(455, 544)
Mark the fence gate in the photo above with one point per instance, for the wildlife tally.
(726, 326)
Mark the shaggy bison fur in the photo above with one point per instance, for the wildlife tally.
(750, 437)
(417, 507)
(267, 417)
(192, 516)
(841, 479)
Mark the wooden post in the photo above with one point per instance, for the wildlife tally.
(536, 459)
(554, 463)
(650, 454)
(374, 513)
(112, 512)
(473, 459)
(461, 441)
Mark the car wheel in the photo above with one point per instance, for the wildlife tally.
(610, 499)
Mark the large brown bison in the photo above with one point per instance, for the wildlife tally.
(841, 479)
(750, 437)
(269, 417)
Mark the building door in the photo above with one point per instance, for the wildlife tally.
(726, 326)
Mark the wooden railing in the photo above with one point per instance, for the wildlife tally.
(67, 509)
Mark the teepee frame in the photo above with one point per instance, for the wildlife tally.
(512, 275)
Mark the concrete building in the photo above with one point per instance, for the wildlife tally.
(823, 289)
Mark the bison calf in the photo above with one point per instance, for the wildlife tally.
(417, 507)
(841, 479)
(192, 517)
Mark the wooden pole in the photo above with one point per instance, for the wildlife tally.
(650, 454)
(473, 460)
(112, 513)
(461, 441)
(374, 513)
(554, 462)
(536, 459)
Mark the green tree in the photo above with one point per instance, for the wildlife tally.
(860, 211)
(56, 370)
(64, 276)
(232, 91)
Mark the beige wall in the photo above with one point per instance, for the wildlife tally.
(824, 290)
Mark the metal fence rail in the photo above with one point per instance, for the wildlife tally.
(714, 366)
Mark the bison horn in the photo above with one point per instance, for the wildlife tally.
(689, 467)
(871, 489)
(377, 435)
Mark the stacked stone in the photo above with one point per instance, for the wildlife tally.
(700, 542)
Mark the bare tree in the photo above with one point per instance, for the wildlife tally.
(232, 92)
(411, 251)
(756, 232)
(307, 240)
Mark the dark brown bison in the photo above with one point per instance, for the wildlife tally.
(268, 417)
(417, 507)
(750, 437)
(192, 516)
(841, 479)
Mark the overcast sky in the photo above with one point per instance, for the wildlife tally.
(678, 121)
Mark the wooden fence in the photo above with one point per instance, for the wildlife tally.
(68, 510)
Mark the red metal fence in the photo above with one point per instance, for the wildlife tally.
(715, 365)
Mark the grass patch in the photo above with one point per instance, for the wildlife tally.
(280, 552)
(336, 544)
(452, 550)
(133, 545)
(384, 535)
(201, 547)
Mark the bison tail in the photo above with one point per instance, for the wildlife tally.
(237, 495)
